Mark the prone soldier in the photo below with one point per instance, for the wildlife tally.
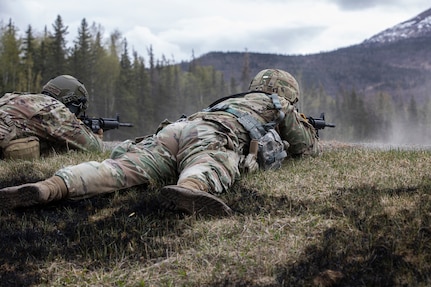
(31, 124)
(196, 158)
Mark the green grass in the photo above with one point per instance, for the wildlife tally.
(351, 217)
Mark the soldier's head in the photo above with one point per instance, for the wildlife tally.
(68, 90)
(276, 81)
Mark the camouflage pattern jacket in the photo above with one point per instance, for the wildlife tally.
(294, 128)
(48, 119)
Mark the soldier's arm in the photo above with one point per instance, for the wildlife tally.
(299, 133)
(65, 127)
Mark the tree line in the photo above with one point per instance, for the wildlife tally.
(147, 91)
(118, 80)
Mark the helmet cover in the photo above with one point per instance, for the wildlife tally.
(276, 81)
(68, 90)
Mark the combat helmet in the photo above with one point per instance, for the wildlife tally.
(276, 81)
(68, 90)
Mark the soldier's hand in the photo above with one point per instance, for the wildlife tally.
(99, 134)
(249, 163)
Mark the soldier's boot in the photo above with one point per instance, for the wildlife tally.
(192, 201)
(29, 194)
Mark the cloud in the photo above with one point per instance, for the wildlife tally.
(360, 5)
(143, 39)
(392, 5)
(180, 28)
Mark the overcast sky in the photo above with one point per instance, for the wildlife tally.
(178, 28)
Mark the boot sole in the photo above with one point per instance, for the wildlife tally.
(24, 196)
(192, 201)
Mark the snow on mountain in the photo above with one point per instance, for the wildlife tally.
(418, 26)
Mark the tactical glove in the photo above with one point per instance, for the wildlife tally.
(248, 164)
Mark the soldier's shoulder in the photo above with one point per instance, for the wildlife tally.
(32, 101)
(23, 95)
(34, 97)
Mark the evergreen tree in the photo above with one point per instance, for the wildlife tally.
(413, 124)
(31, 77)
(412, 111)
(223, 89)
(81, 61)
(10, 67)
(100, 70)
(386, 117)
(41, 61)
(109, 74)
(140, 87)
(57, 50)
(124, 100)
(425, 119)
(349, 113)
(177, 82)
(245, 73)
(233, 86)
(190, 87)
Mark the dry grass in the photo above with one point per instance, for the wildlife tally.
(352, 217)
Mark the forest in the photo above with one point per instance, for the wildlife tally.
(145, 90)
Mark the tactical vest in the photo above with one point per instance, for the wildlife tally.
(271, 150)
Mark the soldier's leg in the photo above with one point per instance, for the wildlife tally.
(137, 164)
(207, 158)
(147, 162)
(40, 192)
(208, 163)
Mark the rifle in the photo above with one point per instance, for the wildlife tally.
(95, 124)
(319, 123)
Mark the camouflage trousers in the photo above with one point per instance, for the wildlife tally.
(198, 154)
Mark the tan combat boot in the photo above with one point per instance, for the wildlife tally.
(29, 194)
(193, 201)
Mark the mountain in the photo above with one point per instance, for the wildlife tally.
(419, 26)
(396, 61)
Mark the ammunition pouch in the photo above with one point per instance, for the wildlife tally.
(24, 148)
(271, 151)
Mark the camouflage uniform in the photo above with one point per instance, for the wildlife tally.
(201, 152)
(46, 118)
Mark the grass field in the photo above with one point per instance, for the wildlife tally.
(354, 216)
